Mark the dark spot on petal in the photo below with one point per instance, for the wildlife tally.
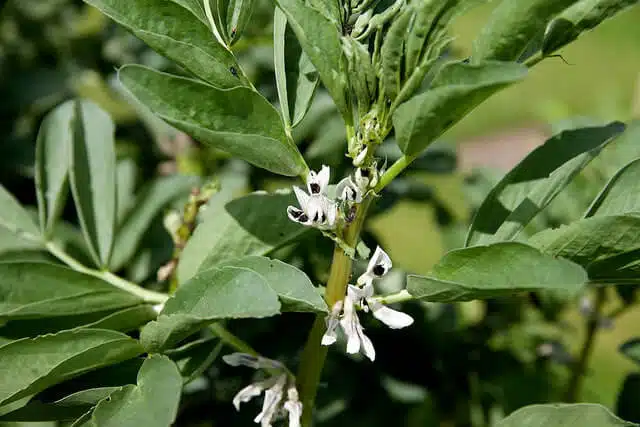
(296, 214)
(315, 188)
(365, 173)
(316, 217)
(379, 270)
(303, 218)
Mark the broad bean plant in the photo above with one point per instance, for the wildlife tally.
(101, 329)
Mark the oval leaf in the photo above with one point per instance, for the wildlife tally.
(93, 179)
(295, 290)
(30, 365)
(497, 270)
(563, 415)
(536, 181)
(580, 17)
(512, 27)
(153, 401)
(456, 90)
(621, 194)
(177, 34)
(52, 164)
(214, 294)
(251, 225)
(36, 290)
(607, 246)
(239, 121)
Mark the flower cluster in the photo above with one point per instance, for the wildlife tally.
(344, 313)
(317, 209)
(274, 403)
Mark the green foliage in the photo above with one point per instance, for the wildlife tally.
(168, 122)
(31, 365)
(153, 401)
(470, 273)
(457, 89)
(563, 416)
(92, 177)
(239, 121)
(582, 16)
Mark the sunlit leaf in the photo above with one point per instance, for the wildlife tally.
(563, 415)
(496, 270)
(239, 121)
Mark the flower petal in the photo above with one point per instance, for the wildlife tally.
(272, 398)
(297, 215)
(367, 346)
(303, 198)
(294, 407)
(317, 183)
(246, 394)
(360, 157)
(380, 263)
(390, 317)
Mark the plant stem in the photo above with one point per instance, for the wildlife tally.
(314, 354)
(146, 294)
(580, 367)
(395, 170)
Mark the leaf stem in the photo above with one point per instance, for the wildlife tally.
(146, 294)
(395, 170)
(580, 367)
(314, 354)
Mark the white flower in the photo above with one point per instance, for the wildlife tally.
(352, 328)
(273, 388)
(366, 178)
(333, 320)
(294, 407)
(315, 210)
(379, 265)
(392, 318)
(317, 182)
(348, 191)
(271, 404)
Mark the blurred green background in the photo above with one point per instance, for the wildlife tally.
(54, 49)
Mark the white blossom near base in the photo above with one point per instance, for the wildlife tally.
(273, 388)
(361, 297)
(316, 209)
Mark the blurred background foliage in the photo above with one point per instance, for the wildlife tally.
(53, 50)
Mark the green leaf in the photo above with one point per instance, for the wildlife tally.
(148, 204)
(36, 290)
(52, 164)
(512, 26)
(563, 415)
(127, 319)
(320, 40)
(30, 365)
(496, 270)
(239, 121)
(255, 224)
(531, 185)
(296, 77)
(578, 18)
(238, 17)
(174, 32)
(456, 90)
(214, 294)
(392, 54)
(126, 174)
(607, 246)
(196, 8)
(65, 409)
(631, 349)
(153, 401)
(295, 290)
(93, 179)
(621, 194)
(16, 223)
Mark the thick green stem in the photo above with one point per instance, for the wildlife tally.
(314, 353)
(580, 367)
